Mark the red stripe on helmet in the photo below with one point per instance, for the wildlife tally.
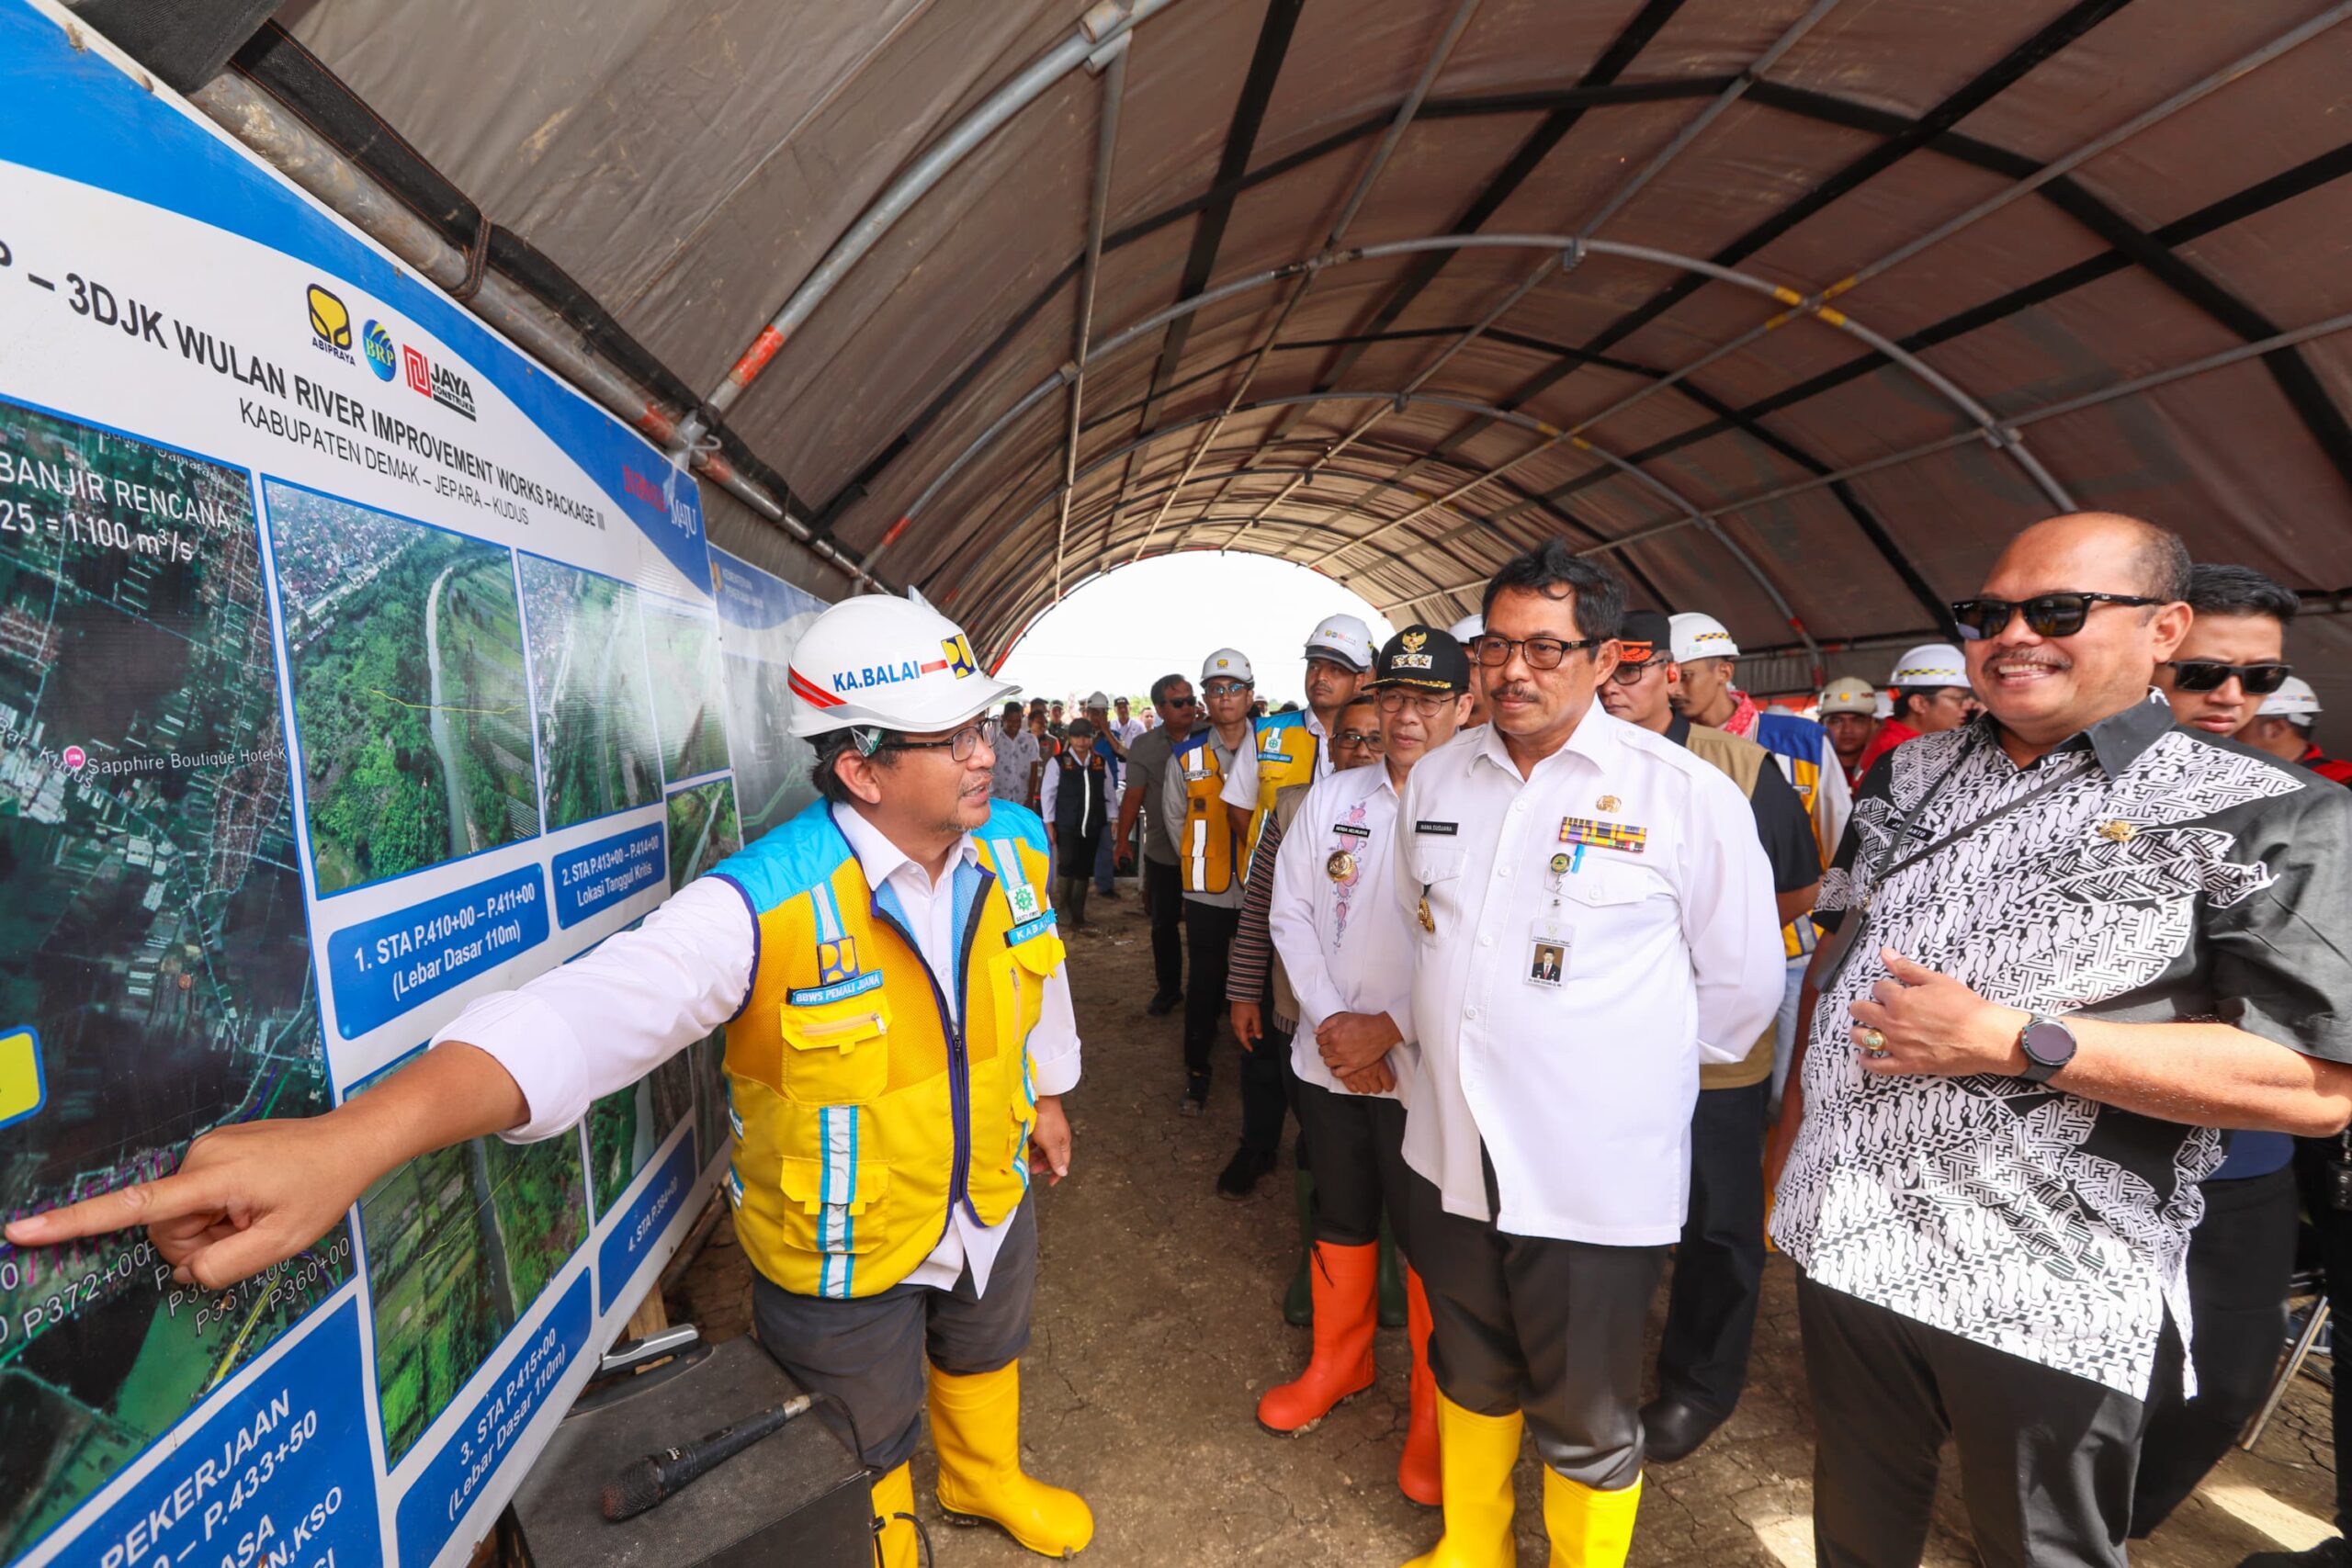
(810, 691)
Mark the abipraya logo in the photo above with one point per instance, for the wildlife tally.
(329, 322)
(440, 383)
(383, 355)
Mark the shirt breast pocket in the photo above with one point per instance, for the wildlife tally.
(1621, 886)
(837, 1052)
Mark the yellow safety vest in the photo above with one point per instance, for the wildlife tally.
(862, 1112)
(1286, 750)
(1205, 847)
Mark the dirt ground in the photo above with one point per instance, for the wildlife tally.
(1157, 1324)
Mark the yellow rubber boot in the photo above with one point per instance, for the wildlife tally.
(894, 1542)
(1588, 1529)
(976, 1427)
(1476, 1454)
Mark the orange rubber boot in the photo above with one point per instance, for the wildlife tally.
(1418, 1475)
(1346, 1283)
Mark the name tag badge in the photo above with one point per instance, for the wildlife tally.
(1549, 940)
(1352, 829)
(1440, 830)
(1023, 900)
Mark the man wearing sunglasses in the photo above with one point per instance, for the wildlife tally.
(1163, 886)
(2244, 1249)
(1208, 854)
(1719, 1265)
(1591, 917)
(2071, 938)
(898, 1034)
(2235, 652)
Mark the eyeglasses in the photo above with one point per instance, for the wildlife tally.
(1217, 689)
(1541, 652)
(960, 745)
(1429, 704)
(2209, 676)
(1183, 702)
(1626, 674)
(1369, 739)
(2047, 614)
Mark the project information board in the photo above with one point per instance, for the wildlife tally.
(351, 667)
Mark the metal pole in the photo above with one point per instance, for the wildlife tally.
(1405, 112)
(2243, 351)
(1106, 146)
(1098, 30)
(262, 124)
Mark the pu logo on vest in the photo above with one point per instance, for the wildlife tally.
(837, 975)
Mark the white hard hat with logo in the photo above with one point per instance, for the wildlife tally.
(2294, 699)
(1932, 664)
(1343, 639)
(894, 663)
(1700, 636)
(1468, 627)
(1849, 694)
(1227, 664)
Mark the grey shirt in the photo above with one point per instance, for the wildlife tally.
(1171, 798)
(1146, 766)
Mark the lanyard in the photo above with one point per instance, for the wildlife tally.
(1886, 865)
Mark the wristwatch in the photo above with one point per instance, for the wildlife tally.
(2048, 1045)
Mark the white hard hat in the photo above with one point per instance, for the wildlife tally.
(892, 662)
(1468, 627)
(1343, 639)
(2294, 699)
(1885, 708)
(1700, 636)
(1848, 694)
(1227, 664)
(1930, 664)
(1097, 700)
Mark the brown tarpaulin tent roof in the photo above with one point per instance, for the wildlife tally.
(2076, 226)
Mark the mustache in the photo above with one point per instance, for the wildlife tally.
(2030, 659)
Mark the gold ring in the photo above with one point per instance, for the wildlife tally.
(1872, 1041)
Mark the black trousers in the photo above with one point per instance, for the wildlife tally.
(1551, 1328)
(869, 1351)
(1268, 1085)
(2046, 1458)
(2333, 1226)
(1163, 900)
(1359, 1150)
(2239, 1259)
(1719, 1268)
(1209, 933)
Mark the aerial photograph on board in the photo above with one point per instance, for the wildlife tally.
(156, 976)
(681, 650)
(459, 1244)
(761, 619)
(406, 649)
(702, 830)
(626, 1126)
(596, 734)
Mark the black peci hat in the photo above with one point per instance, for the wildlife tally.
(1422, 657)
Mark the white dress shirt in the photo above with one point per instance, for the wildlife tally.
(1581, 1092)
(613, 1014)
(1345, 943)
(1241, 779)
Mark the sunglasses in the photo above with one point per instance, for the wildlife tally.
(1183, 702)
(2209, 676)
(1224, 689)
(2047, 614)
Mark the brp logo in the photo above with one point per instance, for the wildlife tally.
(383, 358)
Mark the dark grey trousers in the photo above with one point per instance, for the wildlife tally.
(2046, 1458)
(1548, 1327)
(870, 1352)
(1357, 1144)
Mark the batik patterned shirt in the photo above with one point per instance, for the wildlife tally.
(2159, 874)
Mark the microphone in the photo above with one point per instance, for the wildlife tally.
(643, 1483)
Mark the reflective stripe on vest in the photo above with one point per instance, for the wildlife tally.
(1206, 848)
(1293, 748)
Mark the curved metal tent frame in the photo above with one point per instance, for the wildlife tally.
(2080, 217)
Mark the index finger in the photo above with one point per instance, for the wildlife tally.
(144, 1203)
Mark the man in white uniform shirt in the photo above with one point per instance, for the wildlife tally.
(1550, 1116)
(1347, 950)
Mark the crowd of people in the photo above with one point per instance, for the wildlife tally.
(2012, 990)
